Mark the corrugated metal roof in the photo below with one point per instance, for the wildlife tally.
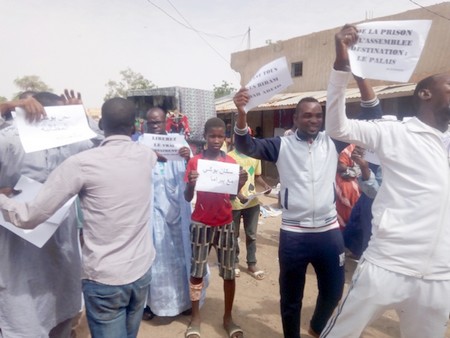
(388, 92)
(290, 100)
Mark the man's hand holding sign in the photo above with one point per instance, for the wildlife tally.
(269, 80)
(170, 147)
(387, 50)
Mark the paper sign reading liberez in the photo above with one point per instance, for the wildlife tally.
(268, 81)
(166, 145)
(216, 176)
(63, 125)
(42, 233)
(388, 50)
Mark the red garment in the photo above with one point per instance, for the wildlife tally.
(211, 208)
(178, 124)
(347, 189)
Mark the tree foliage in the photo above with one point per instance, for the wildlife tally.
(129, 80)
(224, 89)
(3, 99)
(31, 82)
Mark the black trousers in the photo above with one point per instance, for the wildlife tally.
(325, 251)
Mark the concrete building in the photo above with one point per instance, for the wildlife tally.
(311, 57)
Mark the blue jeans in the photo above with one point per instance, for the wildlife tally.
(115, 311)
(325, 251)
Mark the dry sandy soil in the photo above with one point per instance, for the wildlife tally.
(256, 307)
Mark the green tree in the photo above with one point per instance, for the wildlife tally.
(129, 80)
(31, 82)
(224, 89)
(3, 99)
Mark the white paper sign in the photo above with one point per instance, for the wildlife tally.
(251, 197)
(216, 176)
(63, 125)
(371, 156)
(42, 233)
(388, 50)
(166, 145)
(268, 81)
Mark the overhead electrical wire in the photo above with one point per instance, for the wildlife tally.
(429, 10)
(205, 33)
(199, 33)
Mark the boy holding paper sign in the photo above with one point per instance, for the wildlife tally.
(212, 225)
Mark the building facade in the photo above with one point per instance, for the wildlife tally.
(311, 57)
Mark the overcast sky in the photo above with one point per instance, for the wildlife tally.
(82, 44)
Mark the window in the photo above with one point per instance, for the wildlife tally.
(296, 69)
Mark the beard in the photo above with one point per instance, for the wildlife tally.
(443, 117)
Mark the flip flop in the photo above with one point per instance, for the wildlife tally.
(259, 275)
(234, 331)
(192, 331)
(148, 314)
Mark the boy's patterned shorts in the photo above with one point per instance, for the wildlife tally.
(223, 239)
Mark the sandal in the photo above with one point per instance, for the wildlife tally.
(148, 314)
(259, 275)
(234, 331)
(192, 331)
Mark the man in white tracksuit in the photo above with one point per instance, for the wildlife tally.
(407, 264)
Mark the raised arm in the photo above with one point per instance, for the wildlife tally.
(336, 122)
(345, 38)
(366, 90)
(240, 100)
(262, 149)
(34, 110)
(69, 97)
(370, 104)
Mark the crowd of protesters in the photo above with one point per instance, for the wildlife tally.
(145, 246)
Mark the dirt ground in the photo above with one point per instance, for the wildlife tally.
(256, 307)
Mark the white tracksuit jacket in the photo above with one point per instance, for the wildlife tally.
(411, 213)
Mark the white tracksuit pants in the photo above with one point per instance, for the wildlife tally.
(423, 306)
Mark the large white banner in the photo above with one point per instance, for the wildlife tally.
(388, 50)
(268, 81)
(63, 125)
